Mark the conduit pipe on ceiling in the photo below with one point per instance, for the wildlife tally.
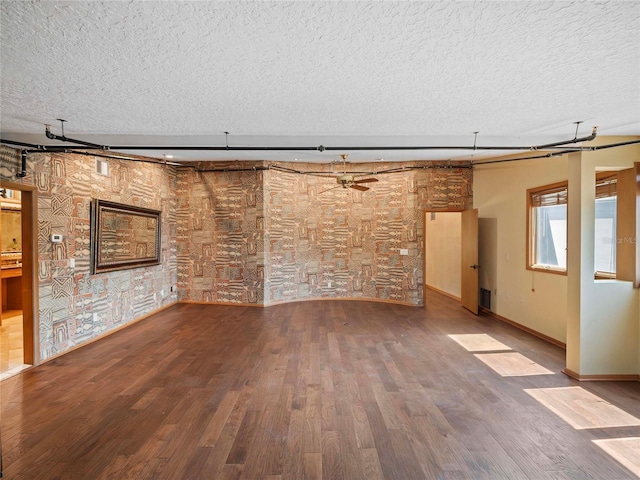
(393, 170)
(575, 140)
(291, 170)
(60, 148)
(23, 171)
(435, 166)
(319, 148)
(610, 145)
(62, 138)
(322, 148)
(560, 153)
(39, 148)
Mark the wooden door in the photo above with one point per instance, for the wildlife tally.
(469, 274)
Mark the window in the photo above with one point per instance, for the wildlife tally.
(605, 225)
(547, 228)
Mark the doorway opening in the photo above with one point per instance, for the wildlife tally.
(451, 255)
(443, 247)
(18, 245)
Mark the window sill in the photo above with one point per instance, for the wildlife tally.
(605, 276)
(547, 269)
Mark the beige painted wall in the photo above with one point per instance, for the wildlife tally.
(442, 246)
(537, 300)
(599, 320)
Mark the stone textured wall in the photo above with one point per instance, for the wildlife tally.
(75, 306)
(254, 236)
(271, 236)
(220, 226)
(322, 241)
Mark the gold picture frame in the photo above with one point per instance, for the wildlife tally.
(123, 236)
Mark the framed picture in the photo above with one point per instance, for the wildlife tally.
(123, 236)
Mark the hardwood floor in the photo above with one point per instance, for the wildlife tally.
(316, 390)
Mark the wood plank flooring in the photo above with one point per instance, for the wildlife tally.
(316, 390)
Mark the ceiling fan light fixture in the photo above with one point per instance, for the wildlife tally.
(348, 180)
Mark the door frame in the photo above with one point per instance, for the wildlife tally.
(30, 301)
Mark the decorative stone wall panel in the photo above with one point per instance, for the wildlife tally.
(258, 237)
(219, 245)
(305, 238)
(76, 306)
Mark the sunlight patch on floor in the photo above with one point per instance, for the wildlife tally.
(512, 364)
(626, 451)
(478, 342)
(582, 409)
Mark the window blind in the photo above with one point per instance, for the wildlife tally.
(549, 197)
(606, 186)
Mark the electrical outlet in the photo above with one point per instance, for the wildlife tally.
(172, 288)
(72, 263)
(162, 293)
(329, 284)
(404, 251)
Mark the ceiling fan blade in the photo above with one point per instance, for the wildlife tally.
(329, 189)
(320, 175)
(366, 180)
(358, 187)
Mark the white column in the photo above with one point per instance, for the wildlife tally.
(602, 323)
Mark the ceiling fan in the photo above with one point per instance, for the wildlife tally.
(346, 180)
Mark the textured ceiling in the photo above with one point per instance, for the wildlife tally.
(312, 73)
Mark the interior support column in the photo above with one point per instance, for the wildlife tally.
(602, 323)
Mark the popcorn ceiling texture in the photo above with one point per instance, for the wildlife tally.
(253, 237)
(317, 67)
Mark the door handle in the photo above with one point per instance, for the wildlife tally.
(474, 266)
